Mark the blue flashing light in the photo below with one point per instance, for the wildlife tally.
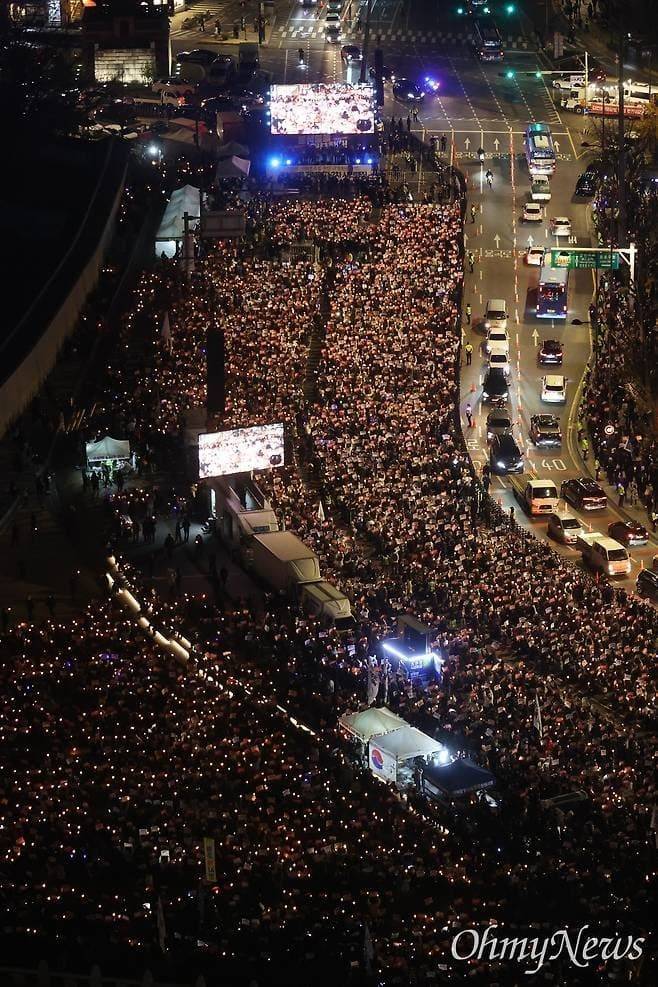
(275, 162)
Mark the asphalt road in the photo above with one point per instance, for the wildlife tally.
(478, 105)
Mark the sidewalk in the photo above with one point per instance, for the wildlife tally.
(228, 13)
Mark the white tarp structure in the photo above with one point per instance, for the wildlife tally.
(108, 448)
(371, 723)
(172, 228)
(387, 752)
(233, 167)
(232, 149)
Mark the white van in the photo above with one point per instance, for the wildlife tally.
(495, 314)
(608, 556)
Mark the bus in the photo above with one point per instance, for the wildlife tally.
(552, 292)
(487, 40)
(539, 149)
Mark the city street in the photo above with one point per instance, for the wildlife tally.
(478, 105)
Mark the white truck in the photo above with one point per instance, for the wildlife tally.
(288, 565)
(536, 497)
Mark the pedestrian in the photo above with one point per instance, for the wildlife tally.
(654, 519)
(471, 261)
(489, 178)
(186, 529)
(468, 349)
(178, 535)
(511, 517)
(468, 311)
(202, 23)
(469, 415)
(414, 114)
(597, 470)
(218, 28)
(408, 123)
(621, 491)
(585, 449)
(473, 212)
(444, 143)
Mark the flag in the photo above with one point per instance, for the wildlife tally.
(162, 928)
(165, 332)
(536, 720)
(368, 949)
(321, 513)
(209, 856)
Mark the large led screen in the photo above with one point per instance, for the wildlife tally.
(322, 108)
(240, 450)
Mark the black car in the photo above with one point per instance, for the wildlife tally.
(498, 423)
(504, 455)
(407, 91)
(587, 184)
(545, 431)
(551, 351)
(628, 533)
(200, 56)
(584, 493)
(647, 584)
(495, 389)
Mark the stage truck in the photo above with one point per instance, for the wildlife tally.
(247, 523)
(599, 104)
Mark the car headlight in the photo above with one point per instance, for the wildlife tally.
(485, 394)
(500, 464)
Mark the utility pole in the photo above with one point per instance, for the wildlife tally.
(621, 165)
(366, 42)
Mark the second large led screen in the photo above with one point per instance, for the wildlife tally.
(322, 108)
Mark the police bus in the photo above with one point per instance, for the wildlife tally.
(552, 292)
(539, 149)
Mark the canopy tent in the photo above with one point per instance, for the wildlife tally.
(457, 778)
(232, 149)
(172, 227)
(370, 723)
(389, 751)
(407, 742)
(233, 167)
(108, 448)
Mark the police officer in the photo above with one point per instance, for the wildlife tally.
(468, 311)
(473, 213)
(471, 260)
(468, 349)
(585, 449)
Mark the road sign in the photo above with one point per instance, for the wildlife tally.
(587, 258)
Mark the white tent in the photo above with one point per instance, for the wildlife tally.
(172, 228)
(108, 448)
(387, 752)
(232, 149)
(233, 167)
(371, 722)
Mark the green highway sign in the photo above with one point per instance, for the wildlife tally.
(585, 259)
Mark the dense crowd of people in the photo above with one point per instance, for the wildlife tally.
(620, 427)
(121, 762)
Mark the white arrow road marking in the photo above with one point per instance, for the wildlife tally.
(557, 146)
(497, 241)
(535, 336)
(496, 143)
(467, 143)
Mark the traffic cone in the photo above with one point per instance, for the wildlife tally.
(472, 388)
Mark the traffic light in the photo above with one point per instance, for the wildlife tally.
(460, 11)
(510, 8)
(510, 74)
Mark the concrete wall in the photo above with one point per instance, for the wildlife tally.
(87, 250)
